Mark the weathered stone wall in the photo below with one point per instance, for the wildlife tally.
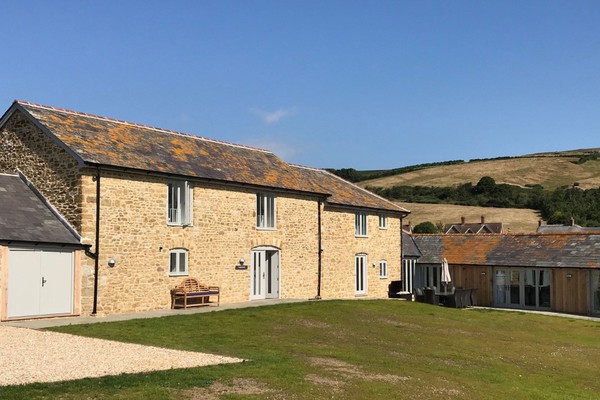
(134, 231)
(340, 246)
(50, 168)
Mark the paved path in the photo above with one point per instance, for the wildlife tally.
(62, 321)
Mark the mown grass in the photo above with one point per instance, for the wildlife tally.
(353, 350)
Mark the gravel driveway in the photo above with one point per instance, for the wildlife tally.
(29, 356)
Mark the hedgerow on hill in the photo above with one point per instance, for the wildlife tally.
(557, 207)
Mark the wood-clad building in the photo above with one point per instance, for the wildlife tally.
(554, 272)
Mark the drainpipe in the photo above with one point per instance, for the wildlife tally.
(97, 243)
(401, 247)
(320, 251)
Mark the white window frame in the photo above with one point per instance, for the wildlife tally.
(179, 203)
(360, 224)
(383, 270)
(176, 269)
(266, 211)
(382, 221)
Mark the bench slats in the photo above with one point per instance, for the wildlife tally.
(191, 288)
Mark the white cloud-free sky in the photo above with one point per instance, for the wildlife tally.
(362, 84)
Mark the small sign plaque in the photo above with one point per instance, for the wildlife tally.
(241, 267)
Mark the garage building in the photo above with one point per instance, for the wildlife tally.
(39, 255)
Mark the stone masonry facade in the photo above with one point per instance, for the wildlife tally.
(134, 232)
(341, 246)
(54, 172)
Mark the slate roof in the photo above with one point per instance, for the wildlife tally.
(566, 229)
(345, 193)
(95, 140)
(24, 217)
(518, 250)
(492, 227)
(409, 247)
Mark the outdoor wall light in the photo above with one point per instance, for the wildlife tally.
(483, 274)
(569, 275)
(241, 264)
(111, 262)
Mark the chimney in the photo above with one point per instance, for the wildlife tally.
(539, 222)
(462, 220)
(572, 221)
(483, 219)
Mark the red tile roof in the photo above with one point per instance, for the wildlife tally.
(575, 250)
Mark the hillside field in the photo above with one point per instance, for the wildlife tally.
(515, 220)
(548, 171)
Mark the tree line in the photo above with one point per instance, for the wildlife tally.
(556, 207)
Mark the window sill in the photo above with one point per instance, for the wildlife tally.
(383, 277)
(360, 294)
(361, 236)
(265, 229)
(178, 275)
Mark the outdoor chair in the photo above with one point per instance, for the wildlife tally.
(419, 296)
(430, 297)
(474, 297)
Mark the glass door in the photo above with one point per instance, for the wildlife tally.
(360, 274)
(500, 288)
(522, 288)
(595, 291)
(515, 287)
(264, 274)
(507, 287)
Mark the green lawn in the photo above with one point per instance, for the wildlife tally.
(353, 350)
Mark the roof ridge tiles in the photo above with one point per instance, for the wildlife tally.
(119, 121)
(352, 184)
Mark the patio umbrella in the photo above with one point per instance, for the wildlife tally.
(446, 279)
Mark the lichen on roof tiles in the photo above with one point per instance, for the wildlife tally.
(524, 250)
(103, 141)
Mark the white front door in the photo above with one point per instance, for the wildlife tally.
(40, 282)
(360, 274)
(265, 274)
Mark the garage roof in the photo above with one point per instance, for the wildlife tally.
(26, 217)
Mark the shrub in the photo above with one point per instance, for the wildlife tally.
(425, 227)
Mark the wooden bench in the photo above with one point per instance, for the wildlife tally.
(192, 293)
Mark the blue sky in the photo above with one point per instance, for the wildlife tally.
(362, 84)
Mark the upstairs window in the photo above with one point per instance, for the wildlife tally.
(360, 224)
(382, 221)
(178, 262)
(265, 211)
(383, 269)
(179, 203)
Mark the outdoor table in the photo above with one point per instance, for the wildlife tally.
(444, 297)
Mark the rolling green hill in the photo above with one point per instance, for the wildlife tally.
(550, 170)
(554, 186)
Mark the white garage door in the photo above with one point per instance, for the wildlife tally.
(40, 282)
